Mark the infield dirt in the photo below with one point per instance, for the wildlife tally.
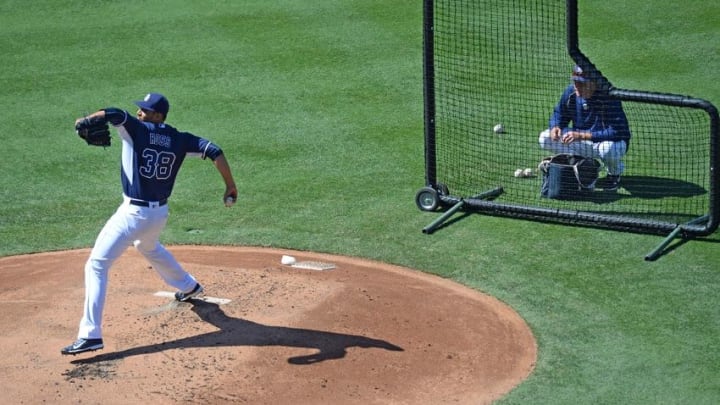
(362, 333)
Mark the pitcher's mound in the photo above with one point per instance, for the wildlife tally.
(346, 331)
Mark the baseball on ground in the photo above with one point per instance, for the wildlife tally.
(287, 260)
(499, 129)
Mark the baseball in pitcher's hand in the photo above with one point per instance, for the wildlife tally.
(230, 196)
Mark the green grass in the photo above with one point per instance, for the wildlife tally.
(318, 106)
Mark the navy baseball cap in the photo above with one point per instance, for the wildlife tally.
(579, 75)
(154, 102)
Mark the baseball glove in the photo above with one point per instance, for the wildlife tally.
(94, 131)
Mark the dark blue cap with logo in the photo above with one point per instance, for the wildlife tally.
(154, 102)
(579, 75)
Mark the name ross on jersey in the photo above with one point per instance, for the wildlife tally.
(160, 140)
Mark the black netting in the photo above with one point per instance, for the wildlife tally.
(506, 62)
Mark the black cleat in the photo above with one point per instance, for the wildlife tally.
(611, 183)
(83, 345)
(182, 296)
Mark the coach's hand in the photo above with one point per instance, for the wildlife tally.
(555, 133)
(572, 136)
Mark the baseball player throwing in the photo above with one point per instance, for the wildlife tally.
(152, 153)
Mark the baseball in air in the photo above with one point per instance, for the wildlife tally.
(499, 129)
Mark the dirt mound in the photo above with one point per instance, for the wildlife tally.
(362, 332)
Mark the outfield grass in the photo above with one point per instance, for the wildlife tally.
(318, 106)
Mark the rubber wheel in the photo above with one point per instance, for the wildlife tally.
(427, 199)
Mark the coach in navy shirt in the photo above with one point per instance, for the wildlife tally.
(588, 122)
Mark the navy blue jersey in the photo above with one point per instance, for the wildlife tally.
(601, 115)
(152, 154)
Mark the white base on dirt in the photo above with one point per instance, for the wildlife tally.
(309, 265)
(320, 266)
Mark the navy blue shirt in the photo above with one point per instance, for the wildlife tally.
(152, 154)
(601, 115)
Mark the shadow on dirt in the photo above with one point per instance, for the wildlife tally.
(241, 332)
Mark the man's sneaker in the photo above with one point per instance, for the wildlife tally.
(83, 345)
(611, 183)
(182, 296)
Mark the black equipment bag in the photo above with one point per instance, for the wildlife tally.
(567, 177)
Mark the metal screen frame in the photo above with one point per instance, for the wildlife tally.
(434, 195)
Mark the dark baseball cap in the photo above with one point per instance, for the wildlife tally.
(579, 75)
(154, 102)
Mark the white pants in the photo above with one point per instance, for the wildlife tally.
(609, 152)
(130, 225)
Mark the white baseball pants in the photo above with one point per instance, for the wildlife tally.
(611, 153)
(130, 225)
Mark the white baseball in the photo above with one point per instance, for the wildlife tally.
(287, 260)
(499, 129)
(229, 201)
(519, 173)
(527, 172)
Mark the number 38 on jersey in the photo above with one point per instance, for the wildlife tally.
(156, 164)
